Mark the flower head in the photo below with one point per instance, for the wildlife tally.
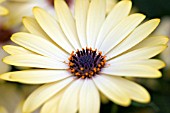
(80, 57)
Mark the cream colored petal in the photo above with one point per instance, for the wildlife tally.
(111, 90)
(3, 11)
(155, 63)
(34, 28)
(89, 100)
(95, 18)
(70, 99)
(140, 54)
(52, 28)
(16, 50)
(67, 22)
(110, 4)
(43, 93)
(81, 9)
(39, 45)
(36, 76)
(132, 70)
(31, 60)
(139, 34)
(135, 91)
(151, 41)
(120, 31)
(119, 11)
(51, 106)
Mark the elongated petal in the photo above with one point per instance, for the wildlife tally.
(34, 28)
(156, 40)
(51, 106)
(43, 93)
(120, 31)
(110, 4)
(135, 91)
(69, 101)
(16, 50)
(119, 11)
(95, 18)
(81, 8)
(52, 28)
(111, 90)
(135, 37)
(31, 60)
(36, 76)
(67, 22)
(39, 45)
(139, 54)
(89, 98)
(135, 70)
(155, 63)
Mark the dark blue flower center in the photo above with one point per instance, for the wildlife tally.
(86, 63)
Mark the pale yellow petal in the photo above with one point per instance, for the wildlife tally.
(81, 9)
(43, 93)
(135, 91)
(31, 60)
(139, 34)
(140, 54)
(51, 106)
(132, 70)
(89, 100)
(155, 63)
(16, 50)
(110, 4)
(121, 31)
(36, 76)
(151, 41)
(67, 22)
(39, 45)
(70, 98)
(52, 28)
(111, 90)
(95, 19)
(34, 28)
(120, 11)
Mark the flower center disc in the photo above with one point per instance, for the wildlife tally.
(86, 63)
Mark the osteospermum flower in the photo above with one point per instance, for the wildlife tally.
(80, 58)
(3, 10)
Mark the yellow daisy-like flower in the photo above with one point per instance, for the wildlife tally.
(80, 58)
(3, 10)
